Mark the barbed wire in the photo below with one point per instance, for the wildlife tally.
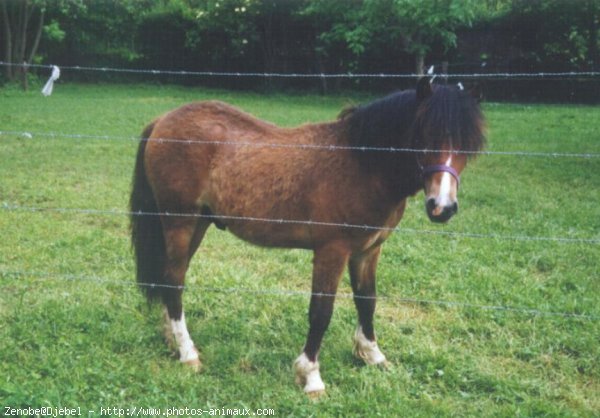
(312, 223)
(528, 75)
(323, 147)
(20, 274)
(281, 292)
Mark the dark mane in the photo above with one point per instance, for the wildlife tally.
(449, 117)
(383, 123)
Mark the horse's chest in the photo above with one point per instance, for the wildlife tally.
(378, 237)
(375, 240)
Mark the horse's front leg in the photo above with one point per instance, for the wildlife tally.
(362, 276)
(328, 265)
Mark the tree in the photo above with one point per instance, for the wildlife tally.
(250, 35)
(420, 24)
(225, 34)
(100, 32)
(169, 47)
(558, 35)
(413, 26)
(22, 22)
(342, 31)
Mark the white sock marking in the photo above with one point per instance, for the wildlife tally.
(307, 374)
(367, 350)
(187, 351)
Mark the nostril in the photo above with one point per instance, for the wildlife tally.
(455, 207)
(431, 204)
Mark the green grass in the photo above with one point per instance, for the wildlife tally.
(72, 342)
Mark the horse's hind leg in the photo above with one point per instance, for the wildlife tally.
(362, 276)
(182, 237)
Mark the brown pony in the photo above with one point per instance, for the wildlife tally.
(307, 187)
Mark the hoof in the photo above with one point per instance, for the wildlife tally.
(308, 376)
(368, 350)
(194, 365)
(385, 365)
(313, 387)
(191, 358)
(314, 395)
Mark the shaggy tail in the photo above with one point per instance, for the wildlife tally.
(147, 237)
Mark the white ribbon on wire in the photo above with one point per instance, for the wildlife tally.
(47, 90)
(431, 73)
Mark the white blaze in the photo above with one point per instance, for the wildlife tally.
(445, 186)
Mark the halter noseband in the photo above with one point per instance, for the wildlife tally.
(429, 170)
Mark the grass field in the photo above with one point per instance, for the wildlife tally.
(75, 332)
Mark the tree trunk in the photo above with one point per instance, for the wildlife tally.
(26, 11)
(19, 18)
(445, 71)
(420, 64)
(594, 16)
(17, 24)
(38, 36)
(8, 70)
(321, 67)
(24, 80)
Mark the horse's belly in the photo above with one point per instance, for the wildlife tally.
(263, 218)
(269, 233)
(261, 200)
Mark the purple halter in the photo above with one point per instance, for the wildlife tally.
(427, 171)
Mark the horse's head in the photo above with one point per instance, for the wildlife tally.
(441, 178)
(448, 128)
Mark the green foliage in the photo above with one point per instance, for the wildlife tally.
(225, 29)
(340, 23)
(343, 31)
(423, 23)
(323, 35)
(162, 36)
(312, 36)
(416, 25)
(97, 32)
(565, 27)
(91, 343)
(53, 32)
(410, 26)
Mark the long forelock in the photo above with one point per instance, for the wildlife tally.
(450, 118)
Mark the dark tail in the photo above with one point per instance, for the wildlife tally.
(147, 237)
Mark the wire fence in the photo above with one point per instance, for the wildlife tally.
(9, 206)
(490, 75)
(6, 206)
(241, 291)
(261, 144)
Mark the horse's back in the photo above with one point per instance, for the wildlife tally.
(213, 155)
(211, 121)
(184, 142)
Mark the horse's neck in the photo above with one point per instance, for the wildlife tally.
(395, 174)
(405, 177)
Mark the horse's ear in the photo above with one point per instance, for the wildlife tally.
(424, 88)
(476, 92)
